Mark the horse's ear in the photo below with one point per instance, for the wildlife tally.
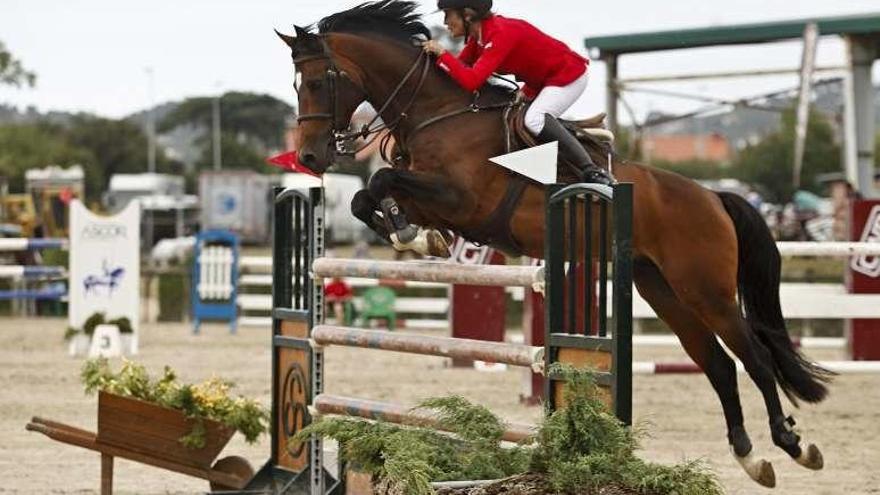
(288, 40)
(301, 32)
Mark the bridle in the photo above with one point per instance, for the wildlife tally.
(342, 134)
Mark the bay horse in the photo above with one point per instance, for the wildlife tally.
(694, 250)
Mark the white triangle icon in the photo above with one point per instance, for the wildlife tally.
(537, 163)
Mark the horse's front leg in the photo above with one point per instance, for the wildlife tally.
(366, 209)
(433, 193)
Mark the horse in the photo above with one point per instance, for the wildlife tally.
(705, 261)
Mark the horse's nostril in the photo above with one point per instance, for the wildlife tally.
(308, 159)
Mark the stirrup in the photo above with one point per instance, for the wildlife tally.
(596, 175)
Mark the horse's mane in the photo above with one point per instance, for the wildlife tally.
(395, 19)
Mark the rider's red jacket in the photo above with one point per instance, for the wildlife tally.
(513, 46)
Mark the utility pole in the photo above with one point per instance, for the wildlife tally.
(151, 125)
(218, 164)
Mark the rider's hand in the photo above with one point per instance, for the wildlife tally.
(433, 47)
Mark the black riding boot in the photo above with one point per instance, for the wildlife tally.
(571, 150)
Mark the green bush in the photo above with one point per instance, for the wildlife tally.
(173, 296)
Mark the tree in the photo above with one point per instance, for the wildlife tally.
(258, 119)
(770, 163)
(24, 147)
(877, 150)
(118, 147)
(235, 155)
(12, 73)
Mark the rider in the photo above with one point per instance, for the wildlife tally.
(554, 75)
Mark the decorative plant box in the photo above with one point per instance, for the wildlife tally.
(156, 431)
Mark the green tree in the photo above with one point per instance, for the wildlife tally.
(877, 150)
(258, 119)
(770, 163)
(23, 147)
(118, 147)
(235, 155)
(12, 73)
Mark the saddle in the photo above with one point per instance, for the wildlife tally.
(590, 132)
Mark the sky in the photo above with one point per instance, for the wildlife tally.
(116, 57)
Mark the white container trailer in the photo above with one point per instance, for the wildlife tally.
(339, 190)
(238, 201)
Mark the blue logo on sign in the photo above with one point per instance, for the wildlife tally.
(226, 203)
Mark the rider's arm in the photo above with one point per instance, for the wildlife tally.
(472, 78)
(468, 54)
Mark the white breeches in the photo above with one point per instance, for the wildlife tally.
(554, 100)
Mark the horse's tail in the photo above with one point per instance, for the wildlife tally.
(758, 278)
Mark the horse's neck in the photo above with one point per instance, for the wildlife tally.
(384, 66)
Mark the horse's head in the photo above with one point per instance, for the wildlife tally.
(327, 99)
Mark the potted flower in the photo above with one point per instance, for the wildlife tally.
(185, 423)
(79, 340)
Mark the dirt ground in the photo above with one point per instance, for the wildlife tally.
(38, 378)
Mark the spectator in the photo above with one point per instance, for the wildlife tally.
(338, 293)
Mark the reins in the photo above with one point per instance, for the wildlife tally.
(341, 136)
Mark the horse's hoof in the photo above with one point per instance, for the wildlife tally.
(437, 245)
(427, 242)
(811, 458)
(759, 470)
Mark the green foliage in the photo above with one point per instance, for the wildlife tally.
(407, 460)
(580, 449)
(770, 162)
(102, 146)
(92, 322)
(24, 147)
(12, 73)
(118, 147)
(234, 154)
(695, 169)
(262, 117)
(208, 400)
(877, 150)
(173, 295)
(123, 323)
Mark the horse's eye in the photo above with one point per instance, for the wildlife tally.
(314, 84)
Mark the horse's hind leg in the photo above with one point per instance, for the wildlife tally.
(700, 344)
(708, 296)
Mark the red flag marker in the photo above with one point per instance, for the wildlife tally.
(290, 162)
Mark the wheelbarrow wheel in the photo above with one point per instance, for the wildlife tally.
(235, 465)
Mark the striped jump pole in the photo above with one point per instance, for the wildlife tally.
(494, 352)
(25, 244)
(686, 367)
(26, 271)
(36, 295)
(425, 271)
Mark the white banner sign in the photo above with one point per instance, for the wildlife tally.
(104, 264)
(864, 264)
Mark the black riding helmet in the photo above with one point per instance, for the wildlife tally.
(482, 7)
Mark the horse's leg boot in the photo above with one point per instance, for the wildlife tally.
(573, 152)
(408, 237)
